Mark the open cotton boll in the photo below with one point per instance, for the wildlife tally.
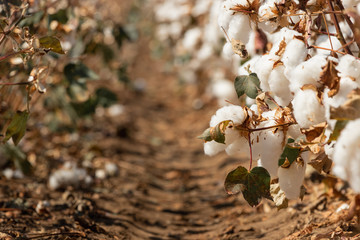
(263, 68)
(266, 10)
(346, 86)
(212, 148)
(295, 53)
(307, 108)
(69, 176)
(201, 7)
(291, 179)
(349, 66)
(232, 112)
(346, 155)
(227, 52)
(223, 90)
(239, 28)
(323, 42)
(238, 148)
(205, 52)
(248, 64)
(279, 85)
(191, 38)
(268, 146)
(307, 72)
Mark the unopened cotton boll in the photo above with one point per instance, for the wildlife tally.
(346, 155)
(212, 148)
(308, 110)
(279, 86)
(291, 179)
(232, 112)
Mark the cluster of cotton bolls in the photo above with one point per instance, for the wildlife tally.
(295, 75)
(190, 29)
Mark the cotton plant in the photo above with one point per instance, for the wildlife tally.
(302, 76)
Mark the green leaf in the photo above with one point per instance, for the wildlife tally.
(205, 135)
(248, 85)
(339, 126)
(51, 43)
(60, 16)
(217, 133)
(17, 127)
(19, 158)
(78, 73)
(289, 155)
(254, 185)
(105, 97)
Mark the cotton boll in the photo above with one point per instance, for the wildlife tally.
(111, 169)
(238, 148)
(279, 85)
(307, 108)
(239, 28)
(232, 112)
(307, 72)
(346, 155)
(70, 175)
(349, 3)
(323, 42)
(212, 148)
(346, 86)
(100, 174)
(291, 179)
(223, 90)
(295, 53)
(192, 38)
(268, 146)
(248, 64)
(349, 66)
(263, 68)
(227, 52)
(205, 52)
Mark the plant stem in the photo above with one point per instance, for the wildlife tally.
(337, 27)
(250, 147)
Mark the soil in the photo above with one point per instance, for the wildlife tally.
(166, 187)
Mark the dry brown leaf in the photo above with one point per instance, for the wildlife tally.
(282, 47)
(321, 163)
(350, 110)
(315, 133)
(250, 9)
(329, 77)
(261, 104)
(239, 48)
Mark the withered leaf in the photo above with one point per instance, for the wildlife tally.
(329, 77)
(321, 163)
(350, 110)
(315, 133)
(278, 196)
(282, 47)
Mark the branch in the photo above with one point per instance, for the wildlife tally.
(338, 30)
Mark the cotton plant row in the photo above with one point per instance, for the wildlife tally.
(302, 88)
(190, 28)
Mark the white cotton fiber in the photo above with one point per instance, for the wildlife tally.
(223, 89)
(346, 155)
(263, 68)
(239, 28)
(238, 148)
(323, 42)
(307, 108)
(191, 38)
(248, 64)
(295, 53)
(346, 86)
(70, 175)
(268, 146)
(227, 52)
(349, 66)
(232, 112)
(291, 179)
(307, 72)
(294, 131)
(212, 148)
(279, 86)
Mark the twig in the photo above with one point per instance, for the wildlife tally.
(250, 147)
(337, 27)
(327, 30)
(79, 234)
(348, 20)
(2, 58)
